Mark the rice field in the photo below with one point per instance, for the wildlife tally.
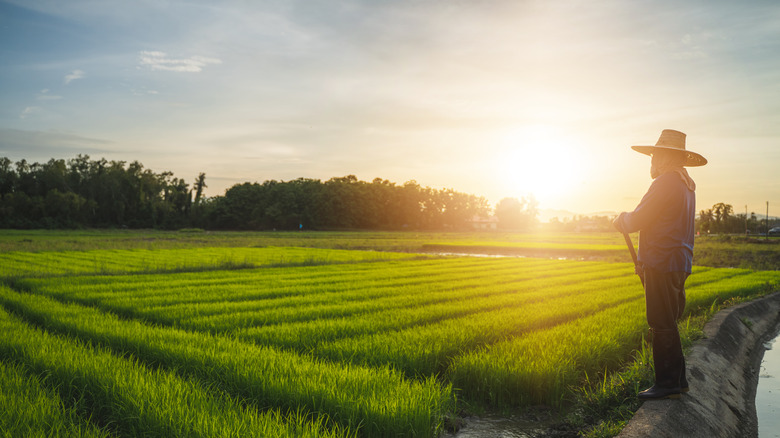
(311, 342)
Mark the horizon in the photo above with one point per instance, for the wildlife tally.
(501, 101)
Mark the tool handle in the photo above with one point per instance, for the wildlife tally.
(630, 247)
(637, 268)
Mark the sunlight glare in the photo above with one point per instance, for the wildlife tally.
(539, 160)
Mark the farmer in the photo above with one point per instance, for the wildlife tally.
(664, 219)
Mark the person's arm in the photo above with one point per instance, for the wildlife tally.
(648, 209)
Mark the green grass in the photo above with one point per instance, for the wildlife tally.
(17, 264)
(424, 318)
(31, 408)
(255, 335)
(377, 401)
(714, 251)
(127, 398)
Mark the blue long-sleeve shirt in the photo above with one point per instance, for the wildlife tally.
(664, 219)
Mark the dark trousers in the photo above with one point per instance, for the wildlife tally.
(665, 300)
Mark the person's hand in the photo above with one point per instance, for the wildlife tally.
(618, 222)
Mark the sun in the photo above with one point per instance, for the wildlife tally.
(539, 160)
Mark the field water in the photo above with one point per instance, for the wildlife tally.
(498, 427)
(768, 392)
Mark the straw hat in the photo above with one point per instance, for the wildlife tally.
(673, 140)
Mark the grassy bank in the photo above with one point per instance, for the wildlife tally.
(714, 251)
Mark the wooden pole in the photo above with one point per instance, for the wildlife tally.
(630, 245)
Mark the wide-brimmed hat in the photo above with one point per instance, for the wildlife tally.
(673, 140)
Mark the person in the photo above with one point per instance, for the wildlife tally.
(664, 219)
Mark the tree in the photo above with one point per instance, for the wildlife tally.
(515, 214)
(705, 222)
(200, 184)
(101, 193)
(7, 176)
(722, 213)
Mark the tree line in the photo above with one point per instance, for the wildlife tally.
(82, 192)
(341, 203)
(90, 193)
(720, 219)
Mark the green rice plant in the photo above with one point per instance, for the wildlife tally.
(147, 285)
(364, 299)
(26, 264)
(377, 402)
(254, 291)
(130, 399)
(541, 366)
(532, 244)
(31, 409)
(316, 298)
(418, 308)
(710, 250)
(427, 350)
(743, 284)
(130, 296)
(312, 291)
(370, 339)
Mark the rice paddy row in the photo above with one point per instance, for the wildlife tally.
(121, 261)
(349, 346)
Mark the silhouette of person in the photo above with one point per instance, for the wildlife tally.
(665, 221)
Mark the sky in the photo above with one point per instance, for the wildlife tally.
(493, 98)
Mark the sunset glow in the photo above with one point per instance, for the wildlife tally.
(538, 160)
(504, 99)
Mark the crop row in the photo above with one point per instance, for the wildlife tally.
(366, 347)
(471, 290)
(317, 295)
(428, 349)
(174, 288)
(147, 284)
(395, 313)
(266, 284)
(31, 409)
(538, 368)
(24, 264)
(90, 388)
(418, 330)
(261, 305)
(378, 401)
(432, 335)
(422, 340)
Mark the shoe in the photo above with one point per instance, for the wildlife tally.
(684, 383)
(657, 393)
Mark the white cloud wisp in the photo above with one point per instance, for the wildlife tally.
(155, 60)
(75, 74)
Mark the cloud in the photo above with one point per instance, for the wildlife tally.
(75, 74)
(44, 95)
(42, 145)
(30, 110)
(160, 61)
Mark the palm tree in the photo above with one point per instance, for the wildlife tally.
(200, 184)
(705, 220)
(722, 212)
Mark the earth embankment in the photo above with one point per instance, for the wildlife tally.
(723, 373)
